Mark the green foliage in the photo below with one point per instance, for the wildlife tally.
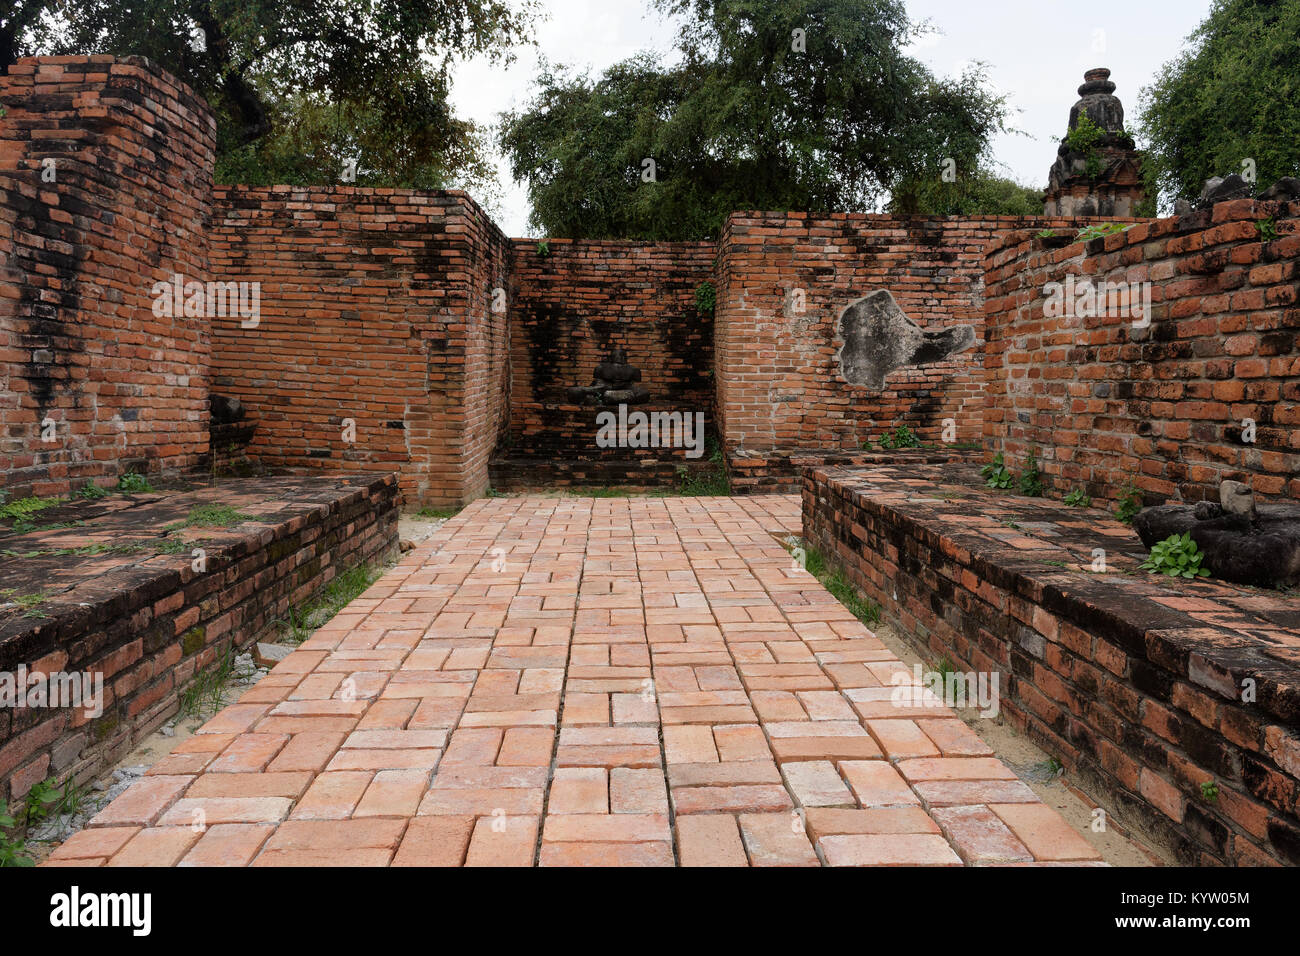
(1078, 498)
(298, 86)
(25, 507)
(342, 590)
(834, 581)
(1085, 135)
(206, 692)
(900, 437)
(1267, 229)
(91, 491)
(211, 516)
(1083, 139)
(1229, 96)
(1088, 233)
(706, 297)
(1031, 479)
(435, 513)
(1130, 503)
(981, 194)
(11, 850)
(132, 484)
(1210, 791)
(740, 120)
(708, 482)
(996, 475)
(543, 248)
(1176, 556)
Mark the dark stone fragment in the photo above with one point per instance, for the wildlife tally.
(1285, 189)
(225, 409)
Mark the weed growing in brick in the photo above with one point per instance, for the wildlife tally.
(206, 692)
(22, 509)
(1098, 232)
(210, 516)
(91, 492)
(11, 850)
(1267, 229)
(1031, 479)
(834, 581)
(299, 623)
(1130, 503)
(709, 481)
(437, 513)
(28, 603)
(1176, 556)
(900, 437)
(706, 297)
(133, 483)
(1078, 498)
(995, 473)
(1210, 791)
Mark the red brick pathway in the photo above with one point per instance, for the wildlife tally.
(560, 681)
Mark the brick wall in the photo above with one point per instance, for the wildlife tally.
(582, 299)
(1136, 689)
(1103, 400)
(375, 309)
(149, 627)
(778, 384)
(124, 203)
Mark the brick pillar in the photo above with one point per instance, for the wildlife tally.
(105, 188)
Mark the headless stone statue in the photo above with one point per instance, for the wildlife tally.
(879, 338)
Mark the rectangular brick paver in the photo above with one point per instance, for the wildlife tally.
(569, 682)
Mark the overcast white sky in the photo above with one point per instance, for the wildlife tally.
(1036, 50)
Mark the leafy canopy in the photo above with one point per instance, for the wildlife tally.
(298, 86)
(744, 119)
(1230, 97)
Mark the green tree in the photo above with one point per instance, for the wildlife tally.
(754, 115)
(283, 74)
(1230, 97)
(981, 194)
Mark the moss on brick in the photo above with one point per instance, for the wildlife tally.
(192, 641)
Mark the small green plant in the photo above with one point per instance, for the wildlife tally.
(938, 678)
(133, 483)
(206, 692)
(706, 297)
(1047, 234)
(995, 473)
(1267, 229)
(1031, 479)
(29, 603)
(299, 622)
(1085, 135)
(436, 513)
(1210, 791)
(1176, 556)
(1130, 503)
(1078, 498)
(834, 581)
(1055, 766)
(900, 437)
(24, 508)
(91, 492)
(543, 248)
(708, 482)
(11, 850)
(1088, 233)
(49, 798)
(210, 516)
